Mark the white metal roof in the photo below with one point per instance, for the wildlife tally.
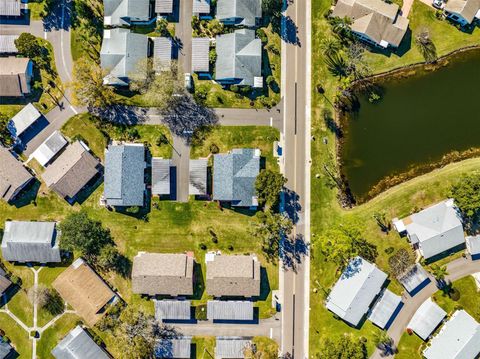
(160, 176)
(473, 244)
(413, 278)
(384, 308)
(200, 54)
(229, 310)
(201, 7)
(172, 309)
(198, 177)
(427, 317)
(231, 347)
(49, 148)
(23, 119)
(7, 44)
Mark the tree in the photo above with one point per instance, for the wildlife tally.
(439, 272)
(108, 257)
(341, 27)
(46, 298)
(87, 85)
(214, 27)
(161, 27)
(268, 186)
(83, 234)
(466, 193)
(342, 347)
(383, 223)
(28, 46)
(400, 262)
(5, 135)
(330, 45)
(336, 64)
(426, 46)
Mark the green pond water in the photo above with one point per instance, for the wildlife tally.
(418, 120)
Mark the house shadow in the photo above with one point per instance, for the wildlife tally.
(264, 284)
(10, 293)
(90, 187)
(31, 133)
(23, 19)
(193, 351)
(173, 183)
(199, 282)
(28, 195)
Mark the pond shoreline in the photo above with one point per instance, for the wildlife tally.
(346, 198)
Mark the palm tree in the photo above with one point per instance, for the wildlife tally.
(337, 65)
(426, 46)
(330, 45)
(439, 272)
(341, 26)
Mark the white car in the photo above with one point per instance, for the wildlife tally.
(188, 82)
(438, 4)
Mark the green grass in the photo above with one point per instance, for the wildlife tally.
(10, 110)
(46, 276)
(409, 347)
(36, 9)
(204, 347)
(18, 337)
(54, 334)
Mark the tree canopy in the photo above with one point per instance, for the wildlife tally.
(466, 193)
(268, 185)
(5, 136)
(342, 347)
(28, 46)
(400, 262)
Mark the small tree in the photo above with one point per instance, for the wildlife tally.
(382, 221)
(342, 347)
(28, 46)
(466, 193)
(439, 272)
(400, 262)
(212, 56)
(5, 136)
(214, 27)
(268, 185)
(108, 257)
(426, 46)
(161, 27)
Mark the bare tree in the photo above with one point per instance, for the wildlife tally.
(426, 46)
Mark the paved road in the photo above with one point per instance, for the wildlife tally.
(457, 269)
(183, 35)
(294, 282)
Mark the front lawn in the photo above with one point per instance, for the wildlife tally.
(18, 337)
(409, 347)
(83, 127)
(55, 333)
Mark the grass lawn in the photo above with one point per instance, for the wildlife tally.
(82, 125)
(54, 334)
(204, 347)
(409, 347)
(36, 9)
(46, 276)
(18, 337)
(19, 304)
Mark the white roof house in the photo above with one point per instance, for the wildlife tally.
(234, 310)
(198, 177)
(435, 229)
(201, 7)
(49, 148)
(459, 338)
(172, 310)
(473, 246)
(426, 319)
(355, 290)
(414, 279)
(26, 117)
(231, 347)
(384, 309)
(161, 176)
(200, 54)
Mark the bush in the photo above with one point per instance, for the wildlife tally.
(201, 312)
(270, 80)
(162, 140)
(262, 36)
(202, 246)
(234, 88)
(212, 56)
(215, 240)
(389, 250)
(132, 134)
(200, 95)
(133, 209)
(245, 90)
(230, 247)
(214, 149)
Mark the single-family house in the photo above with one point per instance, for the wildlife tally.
(163, 274)
(200, 54)
(464, 12)
(198, 177)
(239, 59)
(201, 8)
(356, 289)
(5, 282)
(374, 21)
(6, 349)
(78, 344)
(414, 279)
(234, 176)
(434, 230)
(385, 309)
(239, 12)
(473, 246)
(459, 338)
(22, 121)
(11, 8)
(85, 291)
(172, 310)
(162, 53)
(120, 55)
(26, 242)
(7, 44)
(161, 176)
(72, 171)
(231, 347)
(229, 310)
(177, 348)
(47, 151)
(233, 275)
(127, 12)
(125, 175)
(16, 74)
(13, 176)
(426, 319)
(163, 7)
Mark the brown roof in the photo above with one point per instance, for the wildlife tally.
(84, 290)
(235, 275)
(162, 274)
(13, 76)
(70, 172)
(13, 176)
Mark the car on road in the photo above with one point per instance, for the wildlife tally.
(438, 4)
(188, 82)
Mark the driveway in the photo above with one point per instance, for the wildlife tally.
(183, 35)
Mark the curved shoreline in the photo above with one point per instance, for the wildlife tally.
(415, 170)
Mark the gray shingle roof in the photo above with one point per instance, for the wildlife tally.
(174, 348)
(172, 309)
(13, 176)
(163, 6)
(414, 278)
(198, 177)
(121, 52)
(160, 176)
(200, 54)
(240, 12)
(49, 148)
(7, 44)
(234, 176)
(384, 308)
(229, 310)
(162, 53)
(124, 175)
(31, 242)
(239, 57)
(15, 76)
(78, 345)
(231, 347)
(125, 12)
(468, 9)
(26, 117)
(10, 7)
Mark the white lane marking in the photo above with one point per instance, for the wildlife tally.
(45, 35)
(271, 333)
(73, 109)
(271, 121)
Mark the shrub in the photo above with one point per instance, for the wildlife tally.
(262, 36)
(201, 312)
(200, 95)
(245, 90)
(202, 246)
(132, 134)
(234, 88)
(214, 149)
(215, 240)
(230, 247)
(389, 250)
(162, 140)
(133, 209)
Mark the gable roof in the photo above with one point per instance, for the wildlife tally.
(247, 11)
(125, 175)
(5, 283)
(200, 54)
(239, 57)
(7, 44)
(13, 176)
(162, 53)
(234, 176)
(123, 12)
(459, 338)
(26, 117)
(13, 76)
(49, 148)
(10, 7)
(229, 310)
(231, 347)
(71, 171)
(427, 317)
(355, 290)
(172, 309)
(198, 177)
(31, 242)
(84, 290)
(121, 51)
(232, 275)
(174, 348)
(78, 345)
(163, 6)
(160, 176)
(384, 309)
(468, 9)
(162, 274)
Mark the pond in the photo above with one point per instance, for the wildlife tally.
(418, 120)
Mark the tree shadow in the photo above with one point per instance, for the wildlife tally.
(264, 284)
(289, 32)
(291, 204)
(58, 15)
(293, 250)
(199, 283)
(121, 114)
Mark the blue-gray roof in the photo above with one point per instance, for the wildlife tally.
(239, 57)
(78, 345)
(234, 176)
(241, 12)
(121, 52)
(124, 175)
(5, 349)
(124, 12)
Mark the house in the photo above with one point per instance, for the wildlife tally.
(127, 12)
(46, 152)
(229, 310)
(5, 283)
(434, 230)
(78, 344)
(174, 348)
(72, 171)
(231, 347)
(234, 176)
(414, 279)
(120, 55)
(125, 175)
(160, 176)
(233, 275)
(385, 309)
(11, 8)
(200, 54)
(201, 7)
(164, 7)
(22, 121)
(172, 310)
(473, 246)
(239, 12)
(459, 338)
(7, 44)
(374, 21)
(464, 12)
(13, 176)
(6, 349)
(26, 242)
(239, 59)
(162, 53)
(85, 291)
(163, 274)
(426, 319)
(198, 177)
(356, 289)
(16, 74)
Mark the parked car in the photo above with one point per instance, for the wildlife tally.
(188, 82)
(438, 4)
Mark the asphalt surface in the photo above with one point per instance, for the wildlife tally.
(183, 35)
